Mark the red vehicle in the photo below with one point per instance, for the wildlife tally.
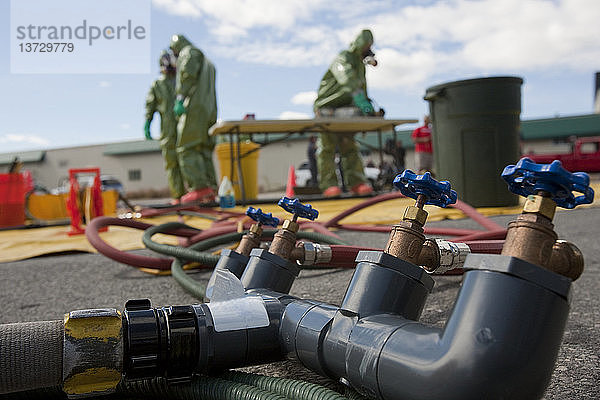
(584, 156)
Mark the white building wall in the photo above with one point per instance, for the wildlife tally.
(273, 164)
(54, 169)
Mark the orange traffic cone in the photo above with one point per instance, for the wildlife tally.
(291, 182)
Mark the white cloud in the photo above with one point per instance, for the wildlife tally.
(413, 42)
(104, 84)
(184, 8)
(16, 138)
(398, 69)
(234, 18)
(304, 98)
(294, 115)
(125, 126)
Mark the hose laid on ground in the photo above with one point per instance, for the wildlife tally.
(463, 234)
(233, 385)
(232, 226)
(290, 388)
(344, 256)
(195, 288)
(427, 230)
(31, 355)
(196, 251)
(27, 375)
(200, 387)
(482, 235)
(154, 212)
(135, 260)
(192, 235)
(192, 253)
(225, 226)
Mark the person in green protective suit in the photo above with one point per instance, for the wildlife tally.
(343, 93)
(196, 106)
(161, 98)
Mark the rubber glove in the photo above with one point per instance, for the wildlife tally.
(147, 130)
(361, 101)
(179, 108)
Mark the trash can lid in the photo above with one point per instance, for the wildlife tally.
(494, 79)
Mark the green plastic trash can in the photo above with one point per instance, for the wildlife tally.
(475, 135)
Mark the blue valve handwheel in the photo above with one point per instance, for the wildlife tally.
(438, 193)
(295, 207)
(527, 178)
(259, 216)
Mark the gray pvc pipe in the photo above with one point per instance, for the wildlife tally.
(30, 355)
(501, 340)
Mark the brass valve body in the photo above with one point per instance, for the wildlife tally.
(531, 238)
(406, 241)
(250, 240)
(284, 240)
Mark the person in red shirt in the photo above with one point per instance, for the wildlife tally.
(423, 148)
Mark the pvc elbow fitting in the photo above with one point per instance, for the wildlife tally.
(501, 340)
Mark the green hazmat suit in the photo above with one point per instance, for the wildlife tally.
(161, 99)
(195, 88)
(341, 85)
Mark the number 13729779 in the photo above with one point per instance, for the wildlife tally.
(49, 47)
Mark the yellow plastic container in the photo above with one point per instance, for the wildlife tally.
(249, 155)
(53, 206)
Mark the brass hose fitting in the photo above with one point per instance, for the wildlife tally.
(439, 255)
(566, 259)
(307, 253)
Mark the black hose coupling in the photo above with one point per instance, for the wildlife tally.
(160, 341)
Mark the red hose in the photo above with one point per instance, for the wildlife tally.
(153, 212)
(469, 211)
(319, 228)
(333, 222)
(135, 260)
(496, 234)
(344, 256)
(485, 246)
(427, 230)
(476, 216)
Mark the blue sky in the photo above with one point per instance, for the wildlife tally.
(271, 55)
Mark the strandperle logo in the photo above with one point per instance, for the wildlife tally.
(85, 31)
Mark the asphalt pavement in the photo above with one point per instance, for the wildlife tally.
(45, 288)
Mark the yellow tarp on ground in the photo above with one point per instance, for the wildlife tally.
(27, 243)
